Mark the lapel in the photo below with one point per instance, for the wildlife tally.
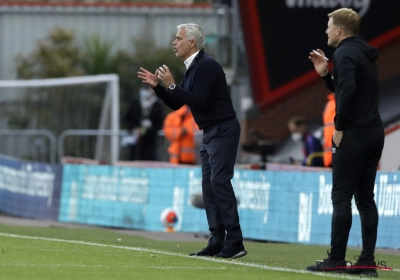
(186, 81)
(194, 60)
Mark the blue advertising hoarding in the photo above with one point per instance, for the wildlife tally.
(273, 205)
(29, 189)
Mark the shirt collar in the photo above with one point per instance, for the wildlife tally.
(189, 61)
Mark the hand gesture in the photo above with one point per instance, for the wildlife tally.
(148, 78)
(320, 64)
(165, 75)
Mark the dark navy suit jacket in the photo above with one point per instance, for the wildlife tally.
(204, 89)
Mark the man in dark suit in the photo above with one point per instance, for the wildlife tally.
(204, 89)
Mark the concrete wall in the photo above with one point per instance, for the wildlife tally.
(22, 26)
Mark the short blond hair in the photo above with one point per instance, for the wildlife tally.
(347, 19)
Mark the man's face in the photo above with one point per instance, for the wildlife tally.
(182, 47)
(333, 35)
(293, 128)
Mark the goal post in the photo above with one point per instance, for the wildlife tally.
(19, 96)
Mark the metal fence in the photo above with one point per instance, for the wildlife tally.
(43, 146)
(30, 144)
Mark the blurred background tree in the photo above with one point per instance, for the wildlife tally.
(54, 57)
(59, 55)
(97, 56)
(62, 54)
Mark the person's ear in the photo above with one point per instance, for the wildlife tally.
(338, 30)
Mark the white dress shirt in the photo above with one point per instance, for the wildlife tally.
(190, 60)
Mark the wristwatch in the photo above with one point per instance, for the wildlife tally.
(172, 86)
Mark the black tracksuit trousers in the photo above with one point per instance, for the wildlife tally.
(354, 166)
(218, 156)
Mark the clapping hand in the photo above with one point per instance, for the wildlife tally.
(165, 75)
(148, 77)
(320, 64)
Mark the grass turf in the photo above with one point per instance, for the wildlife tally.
(80, 253)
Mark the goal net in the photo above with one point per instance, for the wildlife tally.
(49, 119)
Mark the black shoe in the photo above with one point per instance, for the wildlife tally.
(209, 251)
(329, 265)
(232, 251)
(364, 268)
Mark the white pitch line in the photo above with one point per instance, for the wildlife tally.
(215, 260)
(119, 266)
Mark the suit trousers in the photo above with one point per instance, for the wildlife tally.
(218, 155)
(354, 167)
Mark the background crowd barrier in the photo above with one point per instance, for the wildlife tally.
(29, 189)
(280, 206)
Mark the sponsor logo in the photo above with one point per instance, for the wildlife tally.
(388, 196)
(367, 265)
(27, 181)
(305, 217)
(362, 6)
(253, 193)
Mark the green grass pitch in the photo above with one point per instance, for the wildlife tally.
(38, 253)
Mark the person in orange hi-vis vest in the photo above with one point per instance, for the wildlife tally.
(329, 126)
(180, 129)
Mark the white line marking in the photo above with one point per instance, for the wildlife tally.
(231, 262)
(121, 266)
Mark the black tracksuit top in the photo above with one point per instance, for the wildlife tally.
(354, 81)
(204, 89)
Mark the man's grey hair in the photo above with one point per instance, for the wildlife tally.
(194, 32)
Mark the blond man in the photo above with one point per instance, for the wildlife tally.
(358, 139)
